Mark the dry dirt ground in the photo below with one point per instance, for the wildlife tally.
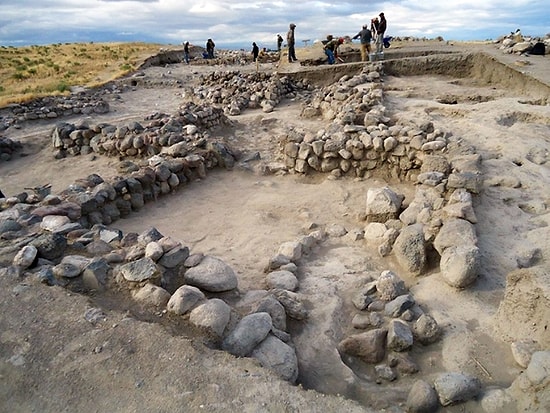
(139, 360)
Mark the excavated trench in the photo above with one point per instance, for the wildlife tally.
(479, 67)
(322, 368)
(326, 279)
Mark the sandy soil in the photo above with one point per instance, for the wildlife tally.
(54, 360)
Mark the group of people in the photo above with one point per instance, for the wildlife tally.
(376, 31)
(208, 54)
(367, 34)
(290, 41)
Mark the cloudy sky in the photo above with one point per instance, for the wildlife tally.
(237, 23)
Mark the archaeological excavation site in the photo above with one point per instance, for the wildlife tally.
(288, 237)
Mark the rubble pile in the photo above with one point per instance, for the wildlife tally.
(517, 43)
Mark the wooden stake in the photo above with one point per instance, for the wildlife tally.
(483, 369)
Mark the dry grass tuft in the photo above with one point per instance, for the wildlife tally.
(30, 72)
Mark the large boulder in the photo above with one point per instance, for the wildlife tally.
(250, 331)
(185, 299)
(212, 316)
(278, 356)
(25, 257)
(455, 232)
(212, 274)
(410, 249)
(282, 279)
(383, 204)
(140, 270)
(153, 295)
(369, 346)
(50, 246)
(459, 265)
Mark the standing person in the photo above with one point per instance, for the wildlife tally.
(210, 48)
(255, 51)
(374, 27)
(366, 36)
(290, 40)
(186, 52)
(279, 42)
(380, 30)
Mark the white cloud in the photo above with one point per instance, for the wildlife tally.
(241, 22)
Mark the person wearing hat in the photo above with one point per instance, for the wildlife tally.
(366, 36)
(291, 43)
(380, 29)
(331, 48)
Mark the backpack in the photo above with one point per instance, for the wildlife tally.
(538, 49)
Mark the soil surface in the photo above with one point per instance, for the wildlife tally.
(52, 359)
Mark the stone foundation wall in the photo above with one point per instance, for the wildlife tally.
(176, 134)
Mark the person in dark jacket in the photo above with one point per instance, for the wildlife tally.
(291, 42)
(331, 48)
(210, 48)
(380, 30)
(366, 37)
(186, 52)
(255, 51)
(279, 42)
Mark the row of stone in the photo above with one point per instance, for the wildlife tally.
(236, 91)
(356, 150)
(95, 201)
(359, 138)
(381, 302)
(160, 273)
(53, 107)
(92, 200)
(394, 323)
(177, 134)
(430, 220)
(8, 147)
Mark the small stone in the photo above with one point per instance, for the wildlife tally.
(282, 279)
(422, 398)
(523, 350)
(94, 315)
(385, 372)
(185, 299)
(25, 257)
(152, 295)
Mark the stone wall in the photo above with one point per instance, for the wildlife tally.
(176, 134)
